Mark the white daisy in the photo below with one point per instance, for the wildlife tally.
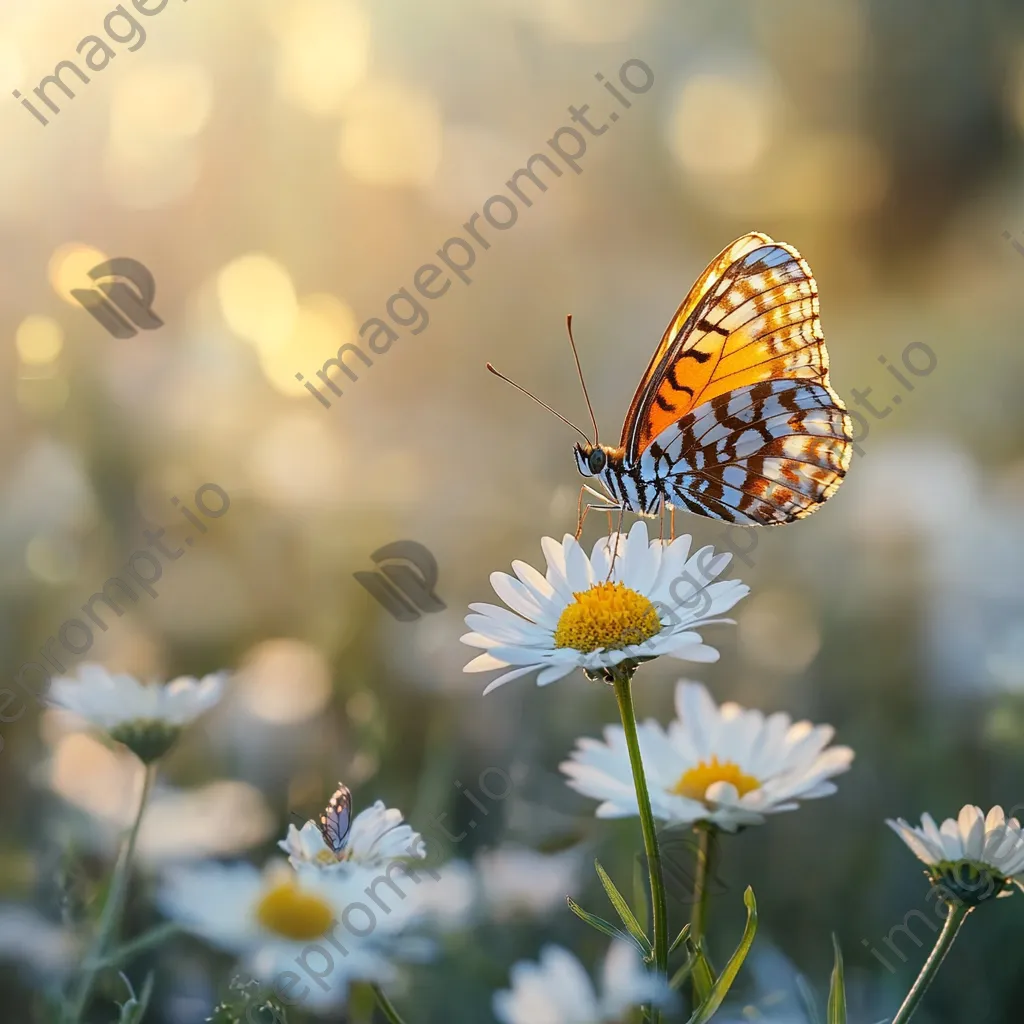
(974, 856)
(727, 765)
(577, 616)
(558, 990)
(307, 935)
(145, 718)
(515, 880)
(377, 837)
(29, 938)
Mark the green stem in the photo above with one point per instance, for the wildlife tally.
(706, 850)
(111, 914)
(387, 1007)
(956, 917)
(154, 937)
(623, 694)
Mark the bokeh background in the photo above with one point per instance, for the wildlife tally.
(284, 168)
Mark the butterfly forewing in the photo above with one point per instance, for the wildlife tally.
(735, 417)
(752, 316)
(336, 820)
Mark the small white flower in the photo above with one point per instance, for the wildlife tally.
(322, 928)
(558, 990)
(145, 718)
(30, 939)
(974, 856)
(377, 837)
(727, 765)
(579, 616)
(516, 880)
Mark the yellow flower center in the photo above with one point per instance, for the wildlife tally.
(609, 616)
(694, 783)
(294, 913)
(327, 857)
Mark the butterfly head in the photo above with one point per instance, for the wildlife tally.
(591, 459)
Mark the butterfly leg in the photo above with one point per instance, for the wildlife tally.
(672, 522)
(661, 534)
(582, 510)
(615, 550)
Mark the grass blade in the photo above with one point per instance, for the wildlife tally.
(837, 988)
(598, 922)
(625, 914)
(721, 987)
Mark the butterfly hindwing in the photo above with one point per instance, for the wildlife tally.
(752, 316)
(762, 454)
(336, 820)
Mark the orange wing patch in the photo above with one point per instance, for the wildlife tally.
(751, 317)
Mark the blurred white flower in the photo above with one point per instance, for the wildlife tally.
(726, 765)
(449, 898)
(377, 837)
(26, 937)
(973, 856)
(581, 615)
(516, 880)
(558, 990)
(145, 718)
(331, 926)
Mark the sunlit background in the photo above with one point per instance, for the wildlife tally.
(283, 169)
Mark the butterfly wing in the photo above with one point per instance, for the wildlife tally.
(752, 316)
(763, 454)
(336, 820)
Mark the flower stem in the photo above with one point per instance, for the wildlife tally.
(956, 917)
(386, 1006)
(706, 849)
(623, 693)
(111, 915)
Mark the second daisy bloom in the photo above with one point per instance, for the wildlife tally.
(726, 766)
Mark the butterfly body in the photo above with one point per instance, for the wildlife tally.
(735, 418)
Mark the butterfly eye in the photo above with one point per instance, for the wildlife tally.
(596, 461)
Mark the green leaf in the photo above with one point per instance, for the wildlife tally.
(133, 1010)
(703, 975)
(680, 938)
(720, 989)
(625, 914)
(682, 974)
(598, 922)
(640, 880)
(837, 988)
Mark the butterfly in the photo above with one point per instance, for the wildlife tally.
(336, 820)
(734, 418)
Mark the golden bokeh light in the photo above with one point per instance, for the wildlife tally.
(39, 340)
(257, 300)
(69, 268)
(391, 135)
(322, 325)
(284, 681)
(719, 124)
(325, 51)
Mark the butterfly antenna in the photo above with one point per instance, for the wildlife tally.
(583, 383)
(538, 401)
